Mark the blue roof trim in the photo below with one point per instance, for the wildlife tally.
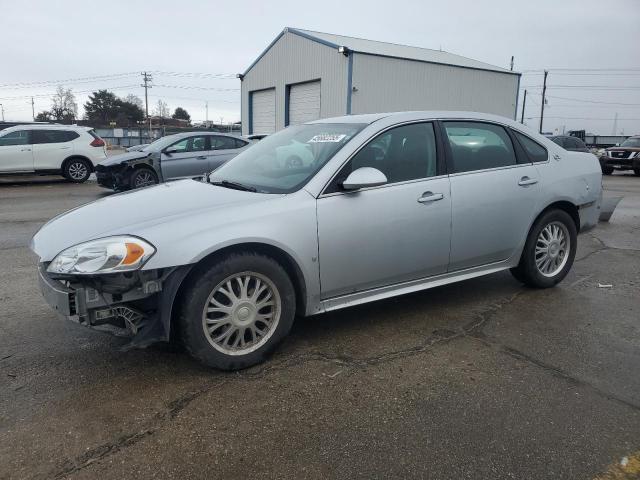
(312, 38)
(295, 32)
(265, 51)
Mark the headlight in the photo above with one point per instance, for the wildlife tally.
(106, 255)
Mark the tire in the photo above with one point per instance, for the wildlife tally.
(77, 170)
(636, 172)
(607, 170)
(214, 327)
(551, 273)
(143, 177)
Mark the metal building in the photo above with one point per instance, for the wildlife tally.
(304, 75)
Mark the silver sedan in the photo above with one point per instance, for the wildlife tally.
(383, 205)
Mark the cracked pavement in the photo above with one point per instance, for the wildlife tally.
(481, 379)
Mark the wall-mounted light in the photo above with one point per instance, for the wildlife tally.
(240, 76)
(344, 50)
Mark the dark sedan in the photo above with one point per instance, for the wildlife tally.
(572, 144)
(184, 155)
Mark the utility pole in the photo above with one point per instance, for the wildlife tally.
(146, 78)
(524, 104)
(512, 63)
(2, 109)
(544, 93)
(615, 123)
(33, 110)
(206, 118)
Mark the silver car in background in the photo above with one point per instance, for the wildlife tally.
(389, 204)
(182, 155)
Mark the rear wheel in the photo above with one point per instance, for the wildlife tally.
(77, 170)
(235, 314)
(607, 170)
(143, 177)
(549, 251)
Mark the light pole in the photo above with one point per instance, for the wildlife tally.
(2, 109)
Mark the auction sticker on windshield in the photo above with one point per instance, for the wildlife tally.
(327, 138)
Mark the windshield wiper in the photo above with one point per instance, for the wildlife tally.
(234, 185)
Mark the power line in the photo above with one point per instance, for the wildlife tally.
(43, 95)
(112, 76)
(584, 87)
(585, 118)
(76, 80)
(583, 70)
(193, 87)
(594, 101)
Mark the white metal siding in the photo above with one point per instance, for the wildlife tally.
(304, 102)
(294, 59)
(390, 85)
(263, 111)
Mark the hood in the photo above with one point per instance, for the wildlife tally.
(123, 157)
(623, 149)
(131, 212)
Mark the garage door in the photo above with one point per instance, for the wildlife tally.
(304, 102)
(263, 111)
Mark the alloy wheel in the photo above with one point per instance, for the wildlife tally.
(143, 179)
(552, 249)
(78, 171)
(241, 313)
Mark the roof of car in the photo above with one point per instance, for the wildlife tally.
(427, 114)
(200, 132)
(45, 126)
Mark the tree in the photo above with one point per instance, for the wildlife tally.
(102, 106)
(181, 114)
(162, 109)
(131, 112)
(64, 106)
(44, 116)
(135, 100)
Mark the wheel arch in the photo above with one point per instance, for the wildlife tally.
(287, 262)
(565, 206)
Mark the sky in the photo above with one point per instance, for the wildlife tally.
(194, 49)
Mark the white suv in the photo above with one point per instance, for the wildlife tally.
(68, 150)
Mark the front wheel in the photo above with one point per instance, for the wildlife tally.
(549, 250)
(143, 177)
(636, 172)
(77, 170)
(234, 314)
(607, 170)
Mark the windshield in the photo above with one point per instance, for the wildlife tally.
(631, 142)
(284, 162)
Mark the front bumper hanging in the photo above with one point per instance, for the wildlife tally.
(141, 312)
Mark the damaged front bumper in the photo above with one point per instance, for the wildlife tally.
(137, 305)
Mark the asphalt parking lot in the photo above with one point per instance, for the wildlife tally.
(481, 379)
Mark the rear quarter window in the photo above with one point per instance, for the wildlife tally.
(54, 136)
(535, 151)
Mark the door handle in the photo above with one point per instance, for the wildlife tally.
(202, 157)
(25, 150)
(430, 197)
(524, 181)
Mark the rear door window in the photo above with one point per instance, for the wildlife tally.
(535, 151)
(479, 146)
(223, 143)
(21, 137)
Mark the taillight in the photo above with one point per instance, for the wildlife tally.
(97, 142)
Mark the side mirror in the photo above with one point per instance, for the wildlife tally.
(169, 151)
(364, 177)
